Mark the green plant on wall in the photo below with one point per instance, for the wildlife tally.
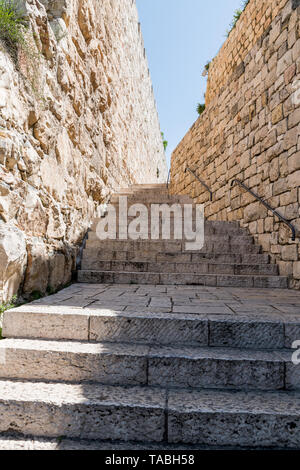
(200, 108)
(20, 42)
(7, 306)
(236, 17)
(13, 25)
(165, 142)
(206, 69)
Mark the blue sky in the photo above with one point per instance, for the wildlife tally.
(180, 37)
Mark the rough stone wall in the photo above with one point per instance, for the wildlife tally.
(250, 130)
(252, 25)
(78, 121)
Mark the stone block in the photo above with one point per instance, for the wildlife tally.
(198, 417)
(13, 259)
(142, 328)
(254, 212)
(277, 114)
(247, 334)
(75, 411)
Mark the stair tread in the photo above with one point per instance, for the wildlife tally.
(144, 350)
(238, 276)
(90, 394)
(179, 400)
(181, 263)
(38, 443)
(222, 401)
(171, 253)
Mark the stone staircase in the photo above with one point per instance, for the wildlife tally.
(229, 256)
(113, 362)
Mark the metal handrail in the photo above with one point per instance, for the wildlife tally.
(201, 181)
(283, 219)
(168, 180)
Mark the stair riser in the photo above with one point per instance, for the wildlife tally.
(209, 373)
(208, 229)
(243, 240)
(146, 424)
(166, 236)
(202, 332)
(116, 369)
(83, 420)
(202, 268)
(174, 329)
(98, 277)
(169, 246)
(174, 257)
(48, 326)
(234, 429)
(148, 200)
(60, 366)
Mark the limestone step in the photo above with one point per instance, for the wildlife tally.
(150, 198)
(210, 227)
(221, 280)
(169, 234)
(229, 418)
(171, 246)
(168, 267)
(209, 325)
(221, 239)
(146, 188)
(83, 411)
(9, 442)
(231, 258)
(146, 414)
(133, 364)
(143, 187)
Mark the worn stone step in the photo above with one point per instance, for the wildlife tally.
(167, 267)
(151, 415)
(82, 411)
(229, 239)
(170, 246)
(137, 188)
(221, 368)
(232, 258)
(104, 324)
(143, 187)
(210, 324)
(210, 228)
(8, 442)
(133, 364)
(210, 240)
(229, 418)
(196, 257)
(60, 361)
(213, 280)
(151, 198)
